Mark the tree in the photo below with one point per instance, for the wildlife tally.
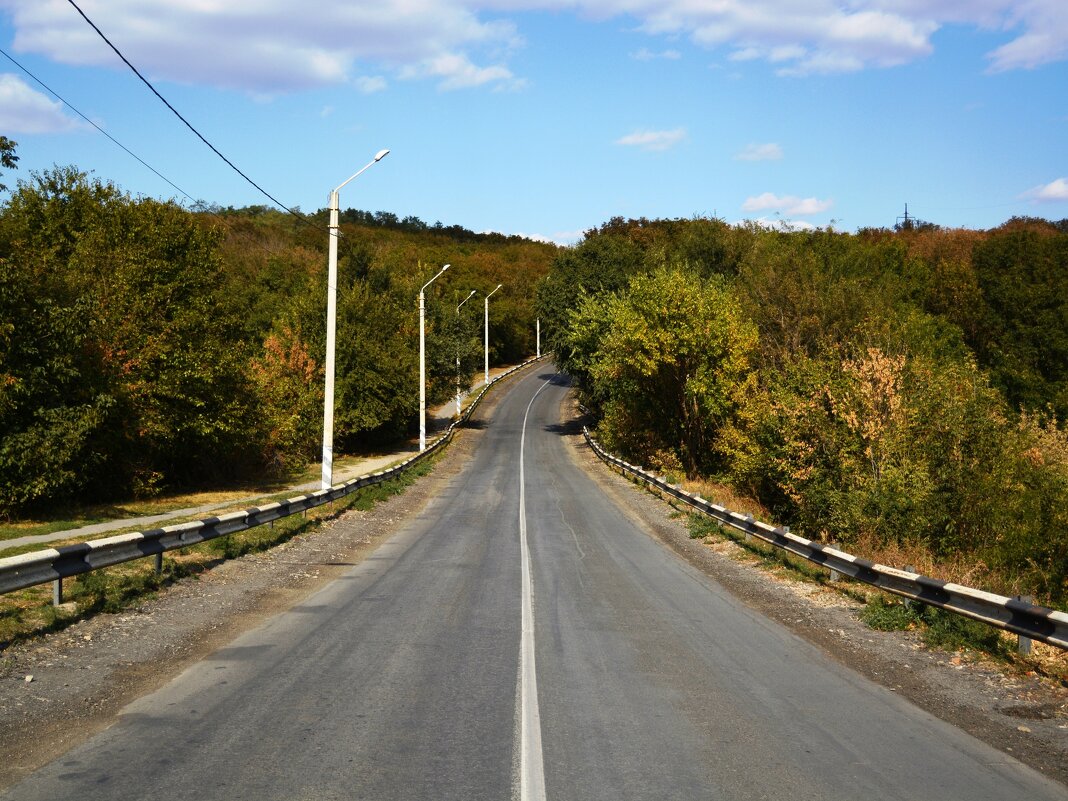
(8, 159)
(1023, 274)
(125, 371)
(671, 357)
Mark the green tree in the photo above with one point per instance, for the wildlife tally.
(124, 371)
(8, 159)
(671, 359)
(1023, 274)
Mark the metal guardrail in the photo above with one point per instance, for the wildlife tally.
(55, 564)
(1010, 614)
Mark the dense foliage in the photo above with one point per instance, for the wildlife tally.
(144, 347)
(886, 386)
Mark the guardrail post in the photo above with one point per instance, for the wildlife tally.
(835, 575)
(159, 563)
(57, 592)
(1023, 644)
(749, 519)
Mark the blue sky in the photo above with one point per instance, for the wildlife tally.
(548, 117)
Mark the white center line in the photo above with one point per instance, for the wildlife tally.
(531, 761)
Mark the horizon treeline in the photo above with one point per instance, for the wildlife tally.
(885, 388)
(145, 347)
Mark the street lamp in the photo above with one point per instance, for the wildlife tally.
(422, 361)
(486, 318)
(462, 302)
(539, 338)
(331, 323)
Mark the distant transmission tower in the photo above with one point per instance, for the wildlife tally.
(910, 222)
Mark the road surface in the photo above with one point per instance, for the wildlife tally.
(523, 638)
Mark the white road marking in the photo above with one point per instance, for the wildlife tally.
(531, 761)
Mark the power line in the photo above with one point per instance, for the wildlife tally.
(62, 100)
(190, 198)
(189, 125)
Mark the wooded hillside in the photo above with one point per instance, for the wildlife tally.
(883, 388)
(145, 347)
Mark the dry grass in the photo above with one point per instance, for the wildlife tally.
(725, 496)
(958, 568)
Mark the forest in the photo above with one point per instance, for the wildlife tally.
(146, 348)
(894, 391)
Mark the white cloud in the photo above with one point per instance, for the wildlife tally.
(766, 152)
(779, 224)
(653, 140)
(370, 84)
(562, 238)
(823, 36)
(1053, 192)
(457, 72)
(568, 238)
(787, 204)
(645, 54)
(25, 111)
(269, 47)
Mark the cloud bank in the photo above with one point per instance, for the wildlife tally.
(275, 46)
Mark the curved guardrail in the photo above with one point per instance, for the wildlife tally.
(55, 564)
(1009, 614)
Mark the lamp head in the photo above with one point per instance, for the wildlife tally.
(381, 154)
(447, 266)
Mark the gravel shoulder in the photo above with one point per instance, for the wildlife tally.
(1025, 716)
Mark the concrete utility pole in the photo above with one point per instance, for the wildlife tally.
(462, 302)
(331, 325)
(486, 320)
(422, 361)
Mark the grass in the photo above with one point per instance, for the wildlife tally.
(938, 628)
(702, 527)
(29, 613)
(240, 494)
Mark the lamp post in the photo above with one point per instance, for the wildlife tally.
(486, 379)
(462, 302)
(422, 360)
(331, 323)
(539, 338)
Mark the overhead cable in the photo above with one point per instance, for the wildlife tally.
(189, 125)
(62, 100)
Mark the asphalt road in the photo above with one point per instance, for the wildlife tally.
(523, 638)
